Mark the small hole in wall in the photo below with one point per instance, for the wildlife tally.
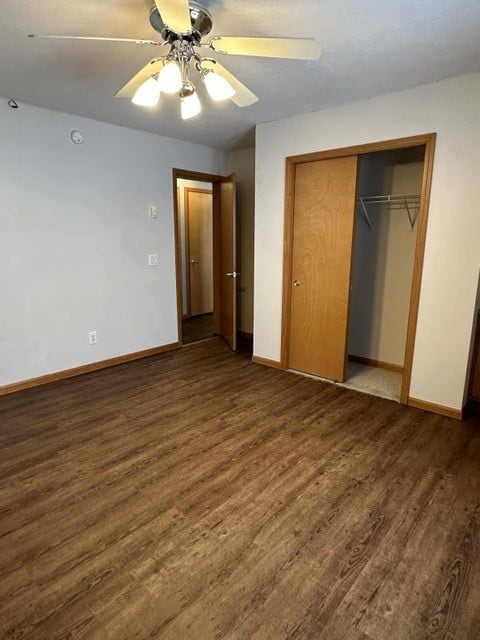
(12, 104)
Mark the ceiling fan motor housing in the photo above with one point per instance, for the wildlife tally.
(201, 24)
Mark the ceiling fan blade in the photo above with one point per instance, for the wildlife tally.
(295, 48)
(243, 96)
(175, 14)
(129, 90)
(131, 40)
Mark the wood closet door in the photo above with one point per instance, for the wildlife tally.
(324, 216)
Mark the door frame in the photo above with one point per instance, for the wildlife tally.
(428, 141)
(186, 191)
(215, 179)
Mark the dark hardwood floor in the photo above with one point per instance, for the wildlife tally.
(197, 328)
(197, 496)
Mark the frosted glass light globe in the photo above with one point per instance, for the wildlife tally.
(148, 94)
(170, 78)
(190, 106)
(217, 87)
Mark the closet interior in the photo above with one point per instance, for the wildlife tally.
(389, 185)
(354, 237)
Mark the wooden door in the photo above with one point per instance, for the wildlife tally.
(475, 370)
(323, 226)
(227, 268)
(199, 231)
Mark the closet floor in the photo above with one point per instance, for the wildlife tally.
(373, 380)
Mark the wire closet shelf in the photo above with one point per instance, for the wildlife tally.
(409, 202)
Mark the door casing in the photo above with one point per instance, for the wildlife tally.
(426, 140)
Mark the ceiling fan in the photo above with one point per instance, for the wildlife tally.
(184, 27)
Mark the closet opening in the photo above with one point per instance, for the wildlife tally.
(355, 228)
(389, 186)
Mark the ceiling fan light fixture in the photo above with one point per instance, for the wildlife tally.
(148, 94)
(170, 78)
(190, 106)
(184, 27)
(218, 88)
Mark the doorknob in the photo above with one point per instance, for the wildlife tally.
(296, 283)
(193, 261)
(232, 274)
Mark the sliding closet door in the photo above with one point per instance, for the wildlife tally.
(324, 215)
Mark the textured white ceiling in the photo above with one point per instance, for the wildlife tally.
(369, 47)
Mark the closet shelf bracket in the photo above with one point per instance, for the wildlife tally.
(365, 213)
(409, 202)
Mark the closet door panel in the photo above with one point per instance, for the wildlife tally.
(324, 216)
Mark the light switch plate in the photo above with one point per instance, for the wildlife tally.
(153, 259)
(152, 211)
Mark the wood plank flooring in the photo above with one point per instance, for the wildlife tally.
(197, 328)
(194, 495)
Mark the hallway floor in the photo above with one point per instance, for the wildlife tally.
(197, 328)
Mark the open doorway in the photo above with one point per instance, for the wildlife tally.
(206, 256)
(195, 224)
(388, 203)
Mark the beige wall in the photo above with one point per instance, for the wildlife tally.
(75, 239)
(242, 163)
(452, 258)
(383, 258)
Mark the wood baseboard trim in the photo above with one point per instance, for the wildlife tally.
(85, 368)
(376, 363)
(433, 407)
(275, 364)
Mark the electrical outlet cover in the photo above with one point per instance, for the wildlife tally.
(152, 211)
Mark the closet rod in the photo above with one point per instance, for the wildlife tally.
(409, 202)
